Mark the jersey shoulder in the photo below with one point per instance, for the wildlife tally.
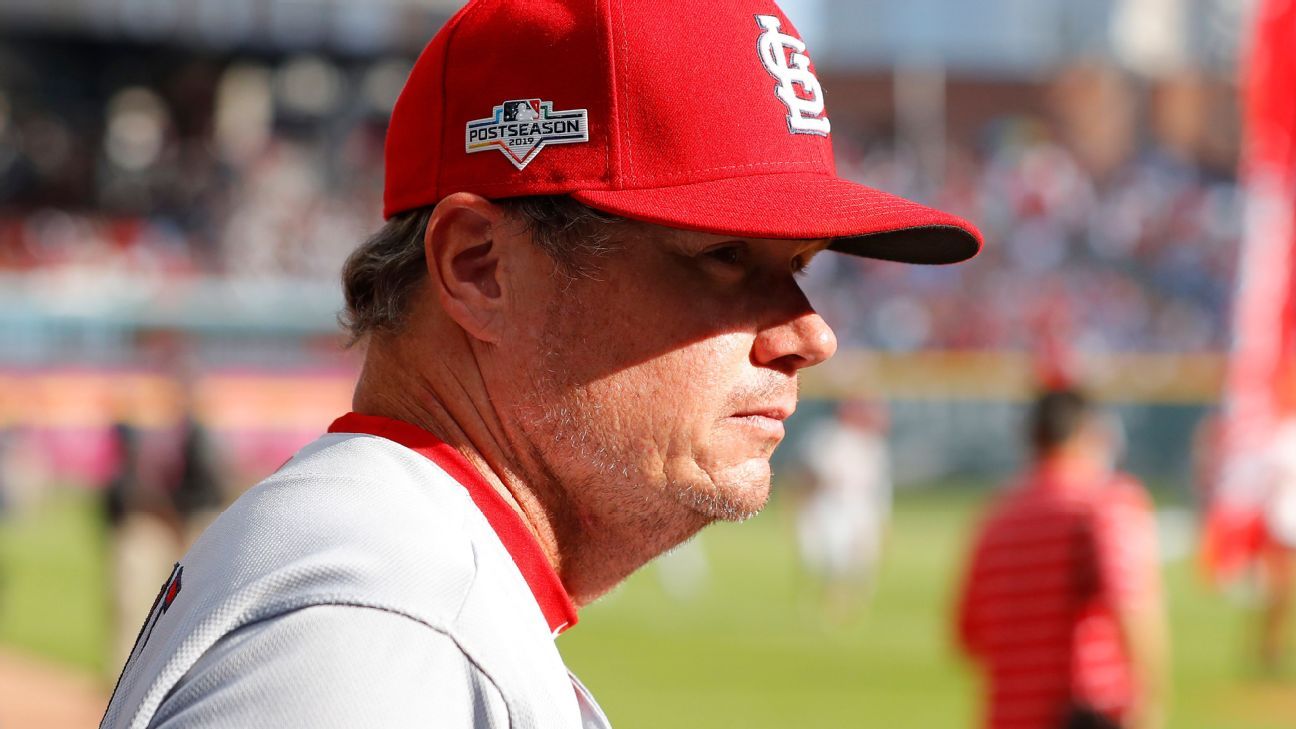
(351, 520)
(374, 668)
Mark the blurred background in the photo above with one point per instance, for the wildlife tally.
(180, 181)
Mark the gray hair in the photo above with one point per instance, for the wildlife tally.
(381, 276)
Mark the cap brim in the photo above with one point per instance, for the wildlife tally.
(860, 220)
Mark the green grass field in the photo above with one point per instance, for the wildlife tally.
(53, 583)
(748, 650)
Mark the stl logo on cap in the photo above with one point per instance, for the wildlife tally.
(520, 128)
(785, 58)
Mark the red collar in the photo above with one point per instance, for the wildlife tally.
(549, 592)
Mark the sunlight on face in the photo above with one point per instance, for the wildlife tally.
(658, 388)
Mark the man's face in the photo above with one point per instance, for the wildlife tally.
(655, 389)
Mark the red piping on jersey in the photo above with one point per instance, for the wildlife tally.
(550, 595)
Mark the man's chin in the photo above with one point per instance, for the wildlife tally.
(737, 498)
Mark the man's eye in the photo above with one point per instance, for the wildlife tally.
(728, 255)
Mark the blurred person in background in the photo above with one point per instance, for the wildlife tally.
(1061, 605)
(1278, 551)
(842, 518)
(198, 492)
(142, 529)
(1268, 543)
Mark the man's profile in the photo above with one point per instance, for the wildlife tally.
(575, 358)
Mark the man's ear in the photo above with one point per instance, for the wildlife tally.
(464, 245)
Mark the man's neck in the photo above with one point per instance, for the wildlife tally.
(389, 386)
(1074, 462)
(441, 390)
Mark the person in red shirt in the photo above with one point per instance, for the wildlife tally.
(1061, 606)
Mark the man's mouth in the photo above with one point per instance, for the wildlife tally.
(773, 412)
(766, 419)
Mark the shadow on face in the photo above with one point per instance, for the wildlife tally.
(736, 303)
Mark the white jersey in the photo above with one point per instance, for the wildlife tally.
(374, 580)
(841, 524)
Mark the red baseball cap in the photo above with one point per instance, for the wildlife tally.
(701, 115)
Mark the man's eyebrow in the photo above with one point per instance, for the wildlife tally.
(697, 242)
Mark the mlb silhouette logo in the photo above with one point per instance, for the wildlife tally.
(522, 110)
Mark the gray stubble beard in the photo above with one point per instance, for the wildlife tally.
(610, 492)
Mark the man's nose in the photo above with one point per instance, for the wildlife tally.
(803, 340)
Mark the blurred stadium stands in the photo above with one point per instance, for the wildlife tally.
(345, 27)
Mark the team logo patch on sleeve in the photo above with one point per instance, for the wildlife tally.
(520, 128)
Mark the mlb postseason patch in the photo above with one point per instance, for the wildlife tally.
(520, 128)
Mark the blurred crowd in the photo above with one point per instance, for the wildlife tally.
(248, 168)
(272, 168)
(1141, 260)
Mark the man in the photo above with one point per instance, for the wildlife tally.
(1061, 607)
(1276, 548)
(142, 529)
(582, 334)
(842, 520)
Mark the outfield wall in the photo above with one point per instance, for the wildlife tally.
(954, 414)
